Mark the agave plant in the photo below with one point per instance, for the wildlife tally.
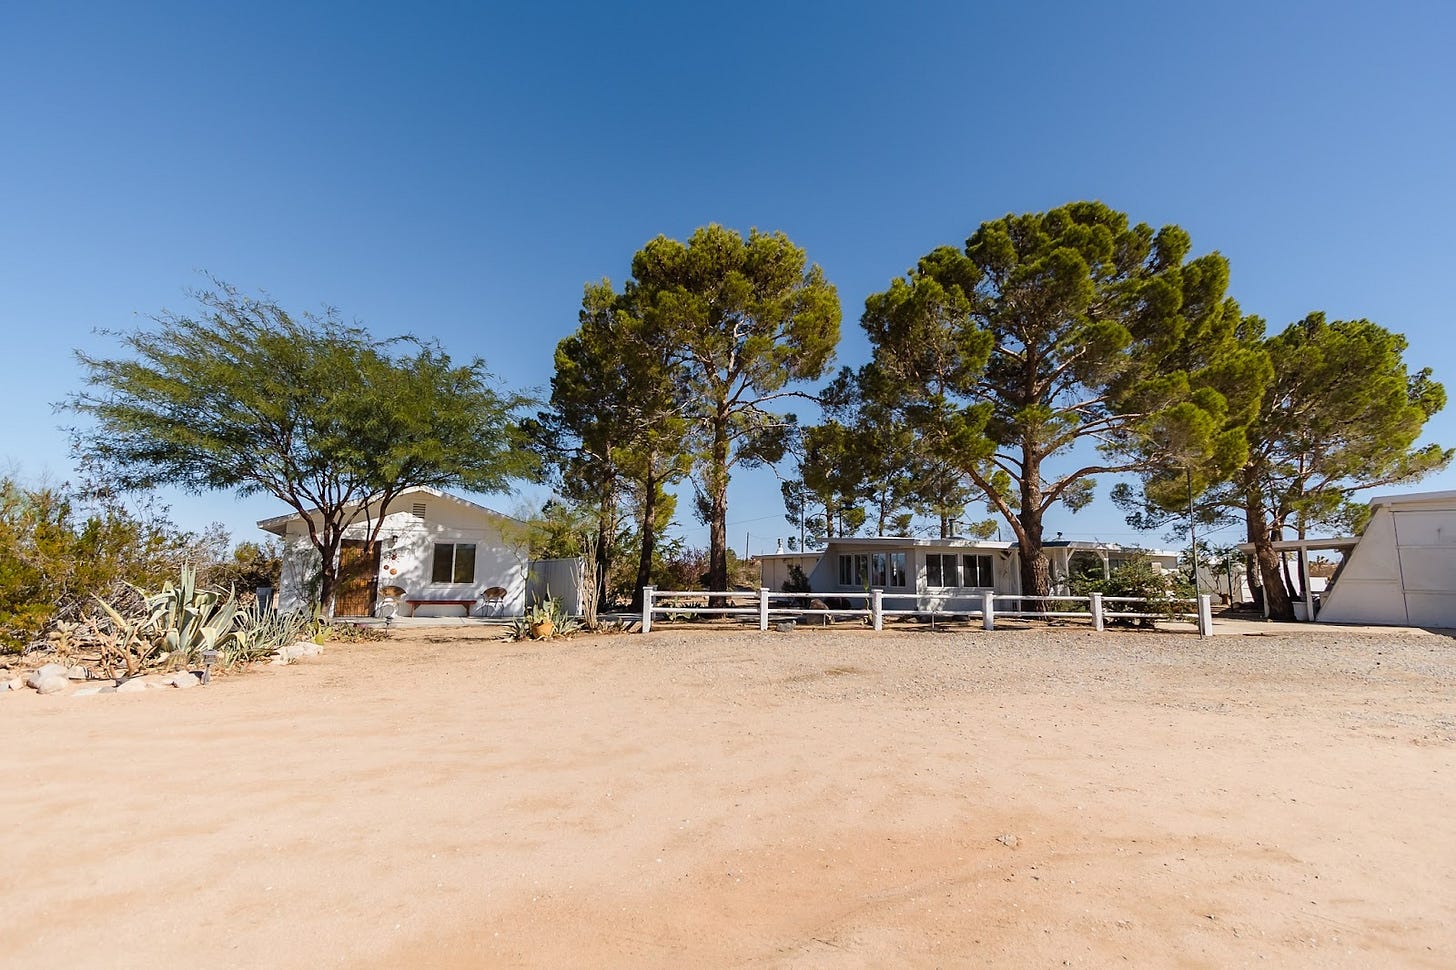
(188, 619)
(263, 631)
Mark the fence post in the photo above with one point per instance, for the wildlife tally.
(763, 609)
(1097, 623)
(877, 609)
(988, 610)
(1205, 615)
(647, 592)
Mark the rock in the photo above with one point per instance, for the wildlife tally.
(88, 691)
(17, 683)
(183, 680)
(817, 619)
(134, 686)
(78, 672)
(53, 684)
(1008, 840)
(787, 626)
(303, 648)
(50, 670)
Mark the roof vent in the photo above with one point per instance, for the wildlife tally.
(418, 510)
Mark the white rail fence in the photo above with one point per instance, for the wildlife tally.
(1099, 608)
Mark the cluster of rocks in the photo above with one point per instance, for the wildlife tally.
(56, 678)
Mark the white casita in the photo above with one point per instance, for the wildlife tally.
(439, 554)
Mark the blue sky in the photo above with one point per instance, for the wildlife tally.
(461, 170)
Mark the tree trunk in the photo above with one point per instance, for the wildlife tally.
(718, 512)
(606, 532)
(649, 542)
(1036, 574)
(328, 574)
(1276, 597)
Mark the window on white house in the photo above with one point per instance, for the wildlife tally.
(976, 571)
(897, 569)
(454, 563)
(877, 569)
(940, 570)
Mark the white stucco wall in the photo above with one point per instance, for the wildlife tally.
(407, 544)
(1403, 570)
(774, 568)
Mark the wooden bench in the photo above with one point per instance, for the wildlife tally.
(413, 604)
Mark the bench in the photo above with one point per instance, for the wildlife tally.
(414, 604)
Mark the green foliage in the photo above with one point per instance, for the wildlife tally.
(245, 396)
(264, 631)
(614, 429)
(797, 581)
(1340, 415)
(1137, 577)
(250, 566)
(548, 610)
(1053, 329)
(744, 318)
(59, 547)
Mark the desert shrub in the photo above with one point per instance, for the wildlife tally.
(797, 581)
(687, 568)
(323, 632)
(1140, 578)
(59, 548)
(250, 566)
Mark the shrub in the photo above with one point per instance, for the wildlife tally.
(797, 581)
(60, 548)
(1139, 578)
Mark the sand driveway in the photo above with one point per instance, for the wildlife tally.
(822, 798)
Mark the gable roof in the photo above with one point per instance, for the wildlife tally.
(278, 524)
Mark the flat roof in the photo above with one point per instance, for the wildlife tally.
(1294, 545)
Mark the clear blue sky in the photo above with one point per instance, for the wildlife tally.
(460, 170)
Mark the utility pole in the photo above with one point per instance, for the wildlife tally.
(1192, 529)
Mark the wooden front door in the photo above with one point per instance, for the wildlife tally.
(358, 578)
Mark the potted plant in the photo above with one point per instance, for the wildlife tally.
(540, 619)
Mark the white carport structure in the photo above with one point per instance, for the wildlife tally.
(1400, 572)
(1306, 608)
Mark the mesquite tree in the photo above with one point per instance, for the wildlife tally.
(320, 415)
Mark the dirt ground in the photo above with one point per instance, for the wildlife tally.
(821, 798)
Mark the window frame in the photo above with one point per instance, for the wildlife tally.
(455, 563)
(985, 568)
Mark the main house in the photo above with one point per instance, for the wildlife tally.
(939, 574)
(437, 554)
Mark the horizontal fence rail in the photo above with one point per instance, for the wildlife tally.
(658, 602)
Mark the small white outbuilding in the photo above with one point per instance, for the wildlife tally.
(1402, 572)
(437, 555)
